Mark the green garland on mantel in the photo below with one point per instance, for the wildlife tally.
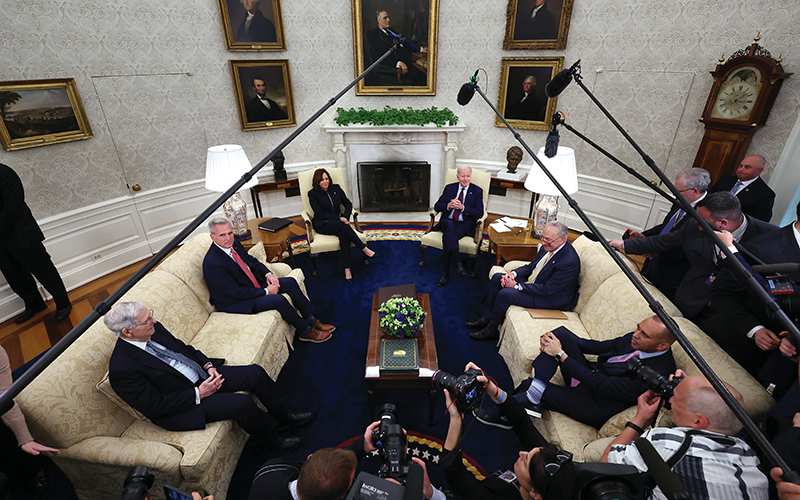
(393, 116)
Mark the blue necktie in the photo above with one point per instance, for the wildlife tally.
(165, 355)
(672, 221)
(736, 187)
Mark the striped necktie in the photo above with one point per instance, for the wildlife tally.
(165, 355)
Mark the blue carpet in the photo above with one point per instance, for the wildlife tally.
(328, 378)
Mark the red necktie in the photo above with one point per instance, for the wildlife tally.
(244, 267)
(457, 213)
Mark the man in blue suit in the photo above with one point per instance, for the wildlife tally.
(179, 388)
(239, 283)
(461, 205)
(550, 281)
(594, 392)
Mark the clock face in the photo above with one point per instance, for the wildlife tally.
(738, 94)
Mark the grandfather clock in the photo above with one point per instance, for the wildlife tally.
(744, 90)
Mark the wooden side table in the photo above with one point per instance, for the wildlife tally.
(274, 243)
(514, 245)
(270, 186)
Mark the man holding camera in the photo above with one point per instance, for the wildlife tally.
(595, 391)
(543, 472)
(701, 450)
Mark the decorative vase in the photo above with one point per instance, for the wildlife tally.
(546, 213)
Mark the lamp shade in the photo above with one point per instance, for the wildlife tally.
(561, 166)
(225, 165)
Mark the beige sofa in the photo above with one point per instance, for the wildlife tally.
(71, 404)
(609, 306)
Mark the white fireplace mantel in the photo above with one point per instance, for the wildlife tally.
(353, 144)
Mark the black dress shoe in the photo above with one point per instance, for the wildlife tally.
(29, 313)
(62, 314)
(281, 444)
(445, 279)
(478, 323)
(489, 332)
(294, 419)
(460, 268)
(349, 280)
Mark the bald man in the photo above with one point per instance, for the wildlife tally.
(755, 196)
(716, 464)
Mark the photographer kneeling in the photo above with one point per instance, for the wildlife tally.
(543, 473)
(702, 449)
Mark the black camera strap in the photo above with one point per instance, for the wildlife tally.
(448, 459)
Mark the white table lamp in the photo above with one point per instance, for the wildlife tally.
(225, 165)
(562, 167)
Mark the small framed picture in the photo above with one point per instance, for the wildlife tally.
(537, 24)
(252, 25)
(263, 93)
(521, 96)
(405, 71)
(41, 112)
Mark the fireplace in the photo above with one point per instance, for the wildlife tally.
(396, 186)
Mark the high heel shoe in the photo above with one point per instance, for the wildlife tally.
(349, 280)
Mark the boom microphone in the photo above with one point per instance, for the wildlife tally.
(560, 81)
(404, 41)
(468, 90)
(551, 144)
(782, 268)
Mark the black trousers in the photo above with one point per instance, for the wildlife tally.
(19, 268)
(346, 235)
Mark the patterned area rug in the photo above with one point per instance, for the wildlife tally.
(383, 232)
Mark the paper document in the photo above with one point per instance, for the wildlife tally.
(425, 372)
(499, 227)
(508, 221)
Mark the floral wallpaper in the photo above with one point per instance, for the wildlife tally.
(154, 80)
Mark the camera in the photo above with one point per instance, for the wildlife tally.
(137, 484)
(465, 389)
(601, 481)
(652, 379)
(390, 440)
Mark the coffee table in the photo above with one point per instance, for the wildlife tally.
(514, 245)
(274, 243)
(427, 358)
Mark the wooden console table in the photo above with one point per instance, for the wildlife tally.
(270, 186)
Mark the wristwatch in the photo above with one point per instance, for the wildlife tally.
(518, 287)
(559, 354)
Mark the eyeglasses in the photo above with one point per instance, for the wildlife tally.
(547, 241)
(149, 320)
(684, 190)
(561, 457)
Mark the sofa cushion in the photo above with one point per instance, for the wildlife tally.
(239, 338)
(596, 267)
(616, 307)
(104, 386)
(187, 265)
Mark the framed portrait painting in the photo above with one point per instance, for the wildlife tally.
(537, 24)
(252, 25)
(263, 93)
(41, 112)
(405, 71)
(521, 98)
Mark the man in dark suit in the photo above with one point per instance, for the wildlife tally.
(179, 388)
(756, 197)
(261, 108)
(22, 254)
(537, 23)
(723, 212)
(239, 283)
(742, 321)
(461, 205)
(667, 269)
(594, 392)
(327, 473)
(255, 27)
(398, 68)
(550, 281)
(526, 105)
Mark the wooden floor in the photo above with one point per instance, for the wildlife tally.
(26, 341)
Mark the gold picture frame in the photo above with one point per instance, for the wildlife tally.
(521, 98)
(259, 31)
(532, 26)
(274, 107)
(403, 72)
(41, 112)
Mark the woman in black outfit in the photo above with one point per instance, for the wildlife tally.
(325, 199)
(543, 473)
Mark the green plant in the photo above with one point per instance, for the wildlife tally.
(401, 317)
(393, 116)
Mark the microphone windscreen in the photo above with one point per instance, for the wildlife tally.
(551, 144)
(783, 268)
(415, 481)
(465, 94)
(558, 83)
